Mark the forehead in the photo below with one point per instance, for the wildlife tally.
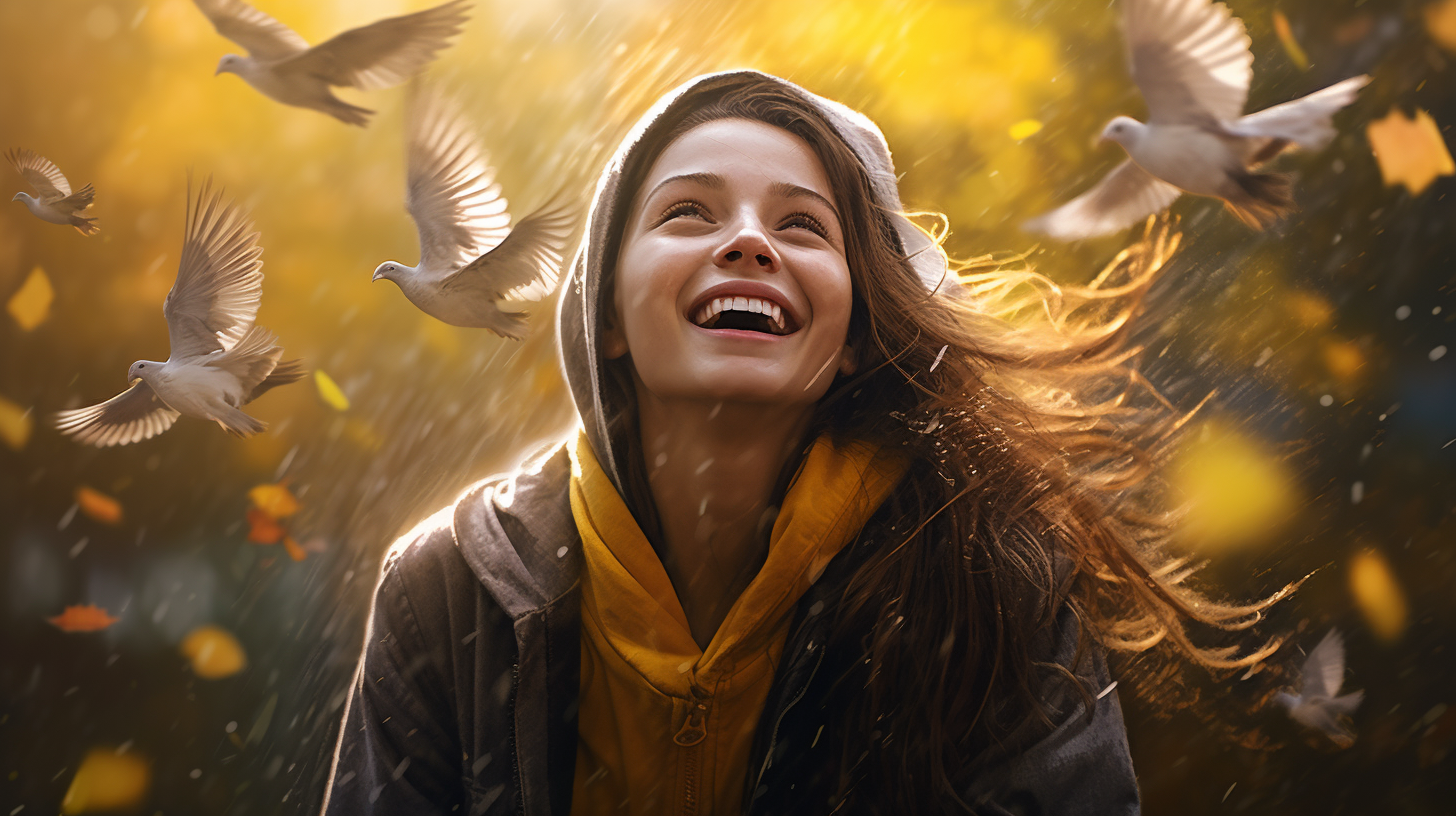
(744, 152)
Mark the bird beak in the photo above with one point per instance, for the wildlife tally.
(218, 71)
(1100, 141)
(376, 277)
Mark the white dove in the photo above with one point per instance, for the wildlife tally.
(1191, 60)
(281, 65)
(54, 201)
(220, 359)
(470, 261)
(1316, 706)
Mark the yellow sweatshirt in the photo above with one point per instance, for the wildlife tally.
(666, 727)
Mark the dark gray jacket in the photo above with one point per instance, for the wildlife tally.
(465, 700)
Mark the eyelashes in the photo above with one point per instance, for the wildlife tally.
(691, 207)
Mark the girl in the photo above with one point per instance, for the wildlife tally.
(834, 535)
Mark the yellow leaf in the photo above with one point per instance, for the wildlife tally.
(214, 652)
(1409, 151)
(330, 391)
(1378, 594)
(1238, 492)
(107, 781)
(31, 303)
(275, 500)
(98, 506)
(1291, 45)
(15, 424)
(1441, 23)
(1025, 129)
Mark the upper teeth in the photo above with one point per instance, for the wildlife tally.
(741, 304)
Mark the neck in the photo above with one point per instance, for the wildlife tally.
(712, 468)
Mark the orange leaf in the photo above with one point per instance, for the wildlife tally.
(98, 506)
(1286, 39)
(15, 424)
(88, 618)
(1409, 151)
(274, 499)
(31, 303)
(108, 780)
(294, 551)
(263, 528)
(1441, 23)
(214, 652)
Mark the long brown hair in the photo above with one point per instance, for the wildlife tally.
(1036, 452)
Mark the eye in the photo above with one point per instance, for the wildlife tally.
(808, 222)
(682, 208)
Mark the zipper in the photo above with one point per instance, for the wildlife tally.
(689, 737)
(515, 755)
(774, 737)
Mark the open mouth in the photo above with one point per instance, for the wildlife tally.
(745, 314)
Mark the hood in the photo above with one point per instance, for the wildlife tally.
(578, 318)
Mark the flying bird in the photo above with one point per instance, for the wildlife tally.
(281, 65)
(220, 360)
(1316, 705)
(53, 201)
(1191, 60)
(471, 260)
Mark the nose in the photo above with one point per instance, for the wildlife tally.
(751, 245)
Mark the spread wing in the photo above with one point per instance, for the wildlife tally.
(40, 173)
(384, 53)
(527, 264)
(1324, 669)
(1190, 58)
(452, 196)
(1124, 197)
(131, 416)
(219, 280)
(264, 37)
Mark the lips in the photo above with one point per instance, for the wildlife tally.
(744, 306)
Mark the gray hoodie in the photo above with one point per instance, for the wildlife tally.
(465, 698)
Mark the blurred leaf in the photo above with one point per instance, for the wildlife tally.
(31, 303)
(1237, 492)
(98, 506)
(15, 424)
(214, 652)
(1441, 23)
(1291, 46)
(330, 391)
(263, 528)
(107, 780)
(86, 618)
(1025, 129)
(1378, 594)
(276, 500)
(294, 551)
(1409, 151)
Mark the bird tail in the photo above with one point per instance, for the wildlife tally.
(84, 225)
(238, 423)
(282, 374)
(347, 113)
(1304, 121)
(508, 324)
(1347, 703)
(1259, 199)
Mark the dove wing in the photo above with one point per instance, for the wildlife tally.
(1124, 197)
(219, 279)
(384, 53)
(452, 196)
(131, 416)
(40, 173)
(527, 264)
(1190, 59)
(1324, 669)
(264, 37)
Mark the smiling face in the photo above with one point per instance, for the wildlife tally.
(731, 283)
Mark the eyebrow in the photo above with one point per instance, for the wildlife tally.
(713, 181)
